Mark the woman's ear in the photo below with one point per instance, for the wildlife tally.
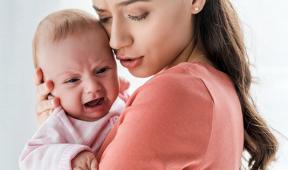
(197, 6)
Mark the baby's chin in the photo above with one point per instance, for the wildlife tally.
(94, 116)
(91, 114)
(89, 118)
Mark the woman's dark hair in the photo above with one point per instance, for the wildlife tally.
(217, 28)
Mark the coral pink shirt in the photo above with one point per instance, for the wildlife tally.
(187, 117)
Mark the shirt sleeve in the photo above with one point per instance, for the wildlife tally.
(166, 126)
(49, 147)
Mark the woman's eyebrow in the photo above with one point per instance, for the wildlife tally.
(98, 9)
(124, 3)
(128, 2)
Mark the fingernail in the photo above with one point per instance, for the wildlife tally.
(48, 85)
(56, 102)
(37, 72)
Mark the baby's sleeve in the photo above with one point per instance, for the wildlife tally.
(49, 148)
(166, 126)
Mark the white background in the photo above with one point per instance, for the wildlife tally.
(266, 31)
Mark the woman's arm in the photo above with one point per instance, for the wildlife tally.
(167, 125)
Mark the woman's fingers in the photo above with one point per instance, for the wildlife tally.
(45, 108)
(43, 90)
(47, 105)
(38, 78)
(43, 116)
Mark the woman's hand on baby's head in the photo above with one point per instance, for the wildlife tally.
(44, 106)
(84, 160)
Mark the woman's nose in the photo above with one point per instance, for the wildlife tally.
(120, 36)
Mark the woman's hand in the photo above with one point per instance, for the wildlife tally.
(85, 160)
(44, 106)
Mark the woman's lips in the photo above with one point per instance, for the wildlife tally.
(131, 63)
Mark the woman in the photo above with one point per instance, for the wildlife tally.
(196, 112)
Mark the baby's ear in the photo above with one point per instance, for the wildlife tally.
(197, 6)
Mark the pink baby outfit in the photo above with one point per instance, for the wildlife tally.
(62, 137)
(187, 117)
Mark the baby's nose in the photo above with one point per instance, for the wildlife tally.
(92, 86)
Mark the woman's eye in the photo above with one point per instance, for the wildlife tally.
(102, 70)
(138, 17)
(72, 80)
(104, 20)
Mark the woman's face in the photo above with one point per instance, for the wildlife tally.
(147, 35)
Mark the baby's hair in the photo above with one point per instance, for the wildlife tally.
(60, 24)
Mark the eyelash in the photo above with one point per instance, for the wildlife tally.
(132, 17)
(104, 20)
(97, 72)
(71, 81)
(102, 70)
(139, 17)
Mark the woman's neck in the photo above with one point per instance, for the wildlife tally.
(191, 53)
(198, 54)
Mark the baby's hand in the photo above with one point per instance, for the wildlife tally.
(84, 161)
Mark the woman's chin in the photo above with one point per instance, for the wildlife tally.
(141, 73)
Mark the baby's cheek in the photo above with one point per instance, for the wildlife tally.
(112, 88)
(70, 101)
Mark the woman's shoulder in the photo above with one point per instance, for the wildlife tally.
(182, 85)
(193, 77)
(186, 84)
(171, 109)
(183, 71)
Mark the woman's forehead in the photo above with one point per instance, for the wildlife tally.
(102, 4)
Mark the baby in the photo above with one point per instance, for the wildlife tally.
(73, 51)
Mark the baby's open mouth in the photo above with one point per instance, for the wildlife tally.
(95, 102)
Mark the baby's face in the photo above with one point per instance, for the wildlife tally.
(84, 73)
